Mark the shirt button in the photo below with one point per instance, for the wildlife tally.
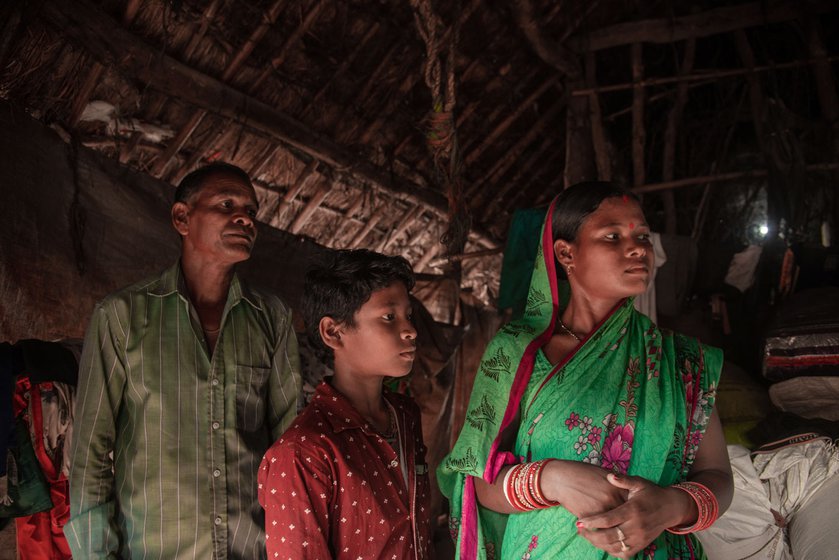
(216, 473)
(394, 463)
(215, 381)
(216, 425)
(218, 521)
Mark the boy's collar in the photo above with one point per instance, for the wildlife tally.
(340, 414)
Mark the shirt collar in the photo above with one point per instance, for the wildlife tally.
(338, 412)
(172, 281)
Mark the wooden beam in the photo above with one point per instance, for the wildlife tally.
(97, 33)
(299, 183)
(348, 218)
(502, 126)
(825, 81)
(549, 50)
(639, 133)
(432, 252)
(705, 77)
(232, 68)
(317, 199)
(500, 193)
(732, 176)
(669, 157)
(96, 71)
(309, 19)
(602, 153)
(345, 64)
(368, 227)
(405, 222)
(466, 256)
(512, 155)
(712, 22)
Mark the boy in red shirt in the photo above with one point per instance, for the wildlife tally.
(348, 479)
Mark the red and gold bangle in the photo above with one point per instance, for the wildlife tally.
(522, 486)
(706, 504)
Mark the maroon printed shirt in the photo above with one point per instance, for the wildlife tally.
(332, 487)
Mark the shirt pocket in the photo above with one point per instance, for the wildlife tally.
(251, 390)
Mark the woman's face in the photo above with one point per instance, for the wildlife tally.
(612, 256)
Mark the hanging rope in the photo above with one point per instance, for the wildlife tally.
(441, 135)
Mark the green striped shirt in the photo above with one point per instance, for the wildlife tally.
(168, 439)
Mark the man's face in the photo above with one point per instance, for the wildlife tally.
(217, 222)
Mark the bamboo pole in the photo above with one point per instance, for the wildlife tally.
(598, 134)
(345, 64)
(374, 219)
(432, 252)
(466, 256)
(705, 76)
(669, 156)
(505, 124)
(731, 176)
(317, 199)
(96, 71)
(86, 26)
(712, 22)
(639, 134)
(825, 82)
(299, 31)
(502, 164)
(499, 199)
(405, 222)
(351, 211)
(185, 132)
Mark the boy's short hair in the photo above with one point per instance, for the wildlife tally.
(339, 287)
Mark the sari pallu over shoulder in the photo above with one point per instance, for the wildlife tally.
(503, 377)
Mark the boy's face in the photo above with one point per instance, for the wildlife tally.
(383, 340)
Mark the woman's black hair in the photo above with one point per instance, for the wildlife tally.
(339, 286)
(574, 204)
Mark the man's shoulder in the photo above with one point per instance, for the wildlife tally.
(148, 285)
(264, 298)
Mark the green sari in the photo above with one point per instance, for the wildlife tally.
(630, 398)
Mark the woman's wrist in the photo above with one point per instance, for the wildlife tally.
(704, 512)
(551, 480)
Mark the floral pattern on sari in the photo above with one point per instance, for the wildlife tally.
(615, 450)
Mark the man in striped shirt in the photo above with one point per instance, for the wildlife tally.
(185, 381)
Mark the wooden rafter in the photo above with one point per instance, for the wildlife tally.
(602, 153)
(96, 32)
(673, 118)
(345, 65)
(721, 177)
(374, 219)
(95, 74)
(712, 22)
(299, 183)
(478, 194)
(312, 205)
(413, 77)
(181, 138)
(308, 20)
(405, 222)
(505, 123)
(348, 218)
(503, 188)
(639, 133)
(704, 77)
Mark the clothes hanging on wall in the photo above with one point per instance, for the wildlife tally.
(44, 375)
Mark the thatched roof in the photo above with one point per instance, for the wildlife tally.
(327, 103)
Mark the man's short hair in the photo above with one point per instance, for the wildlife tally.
(194, 181)
(339, 287)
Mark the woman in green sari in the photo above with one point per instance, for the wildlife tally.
(620, 409)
